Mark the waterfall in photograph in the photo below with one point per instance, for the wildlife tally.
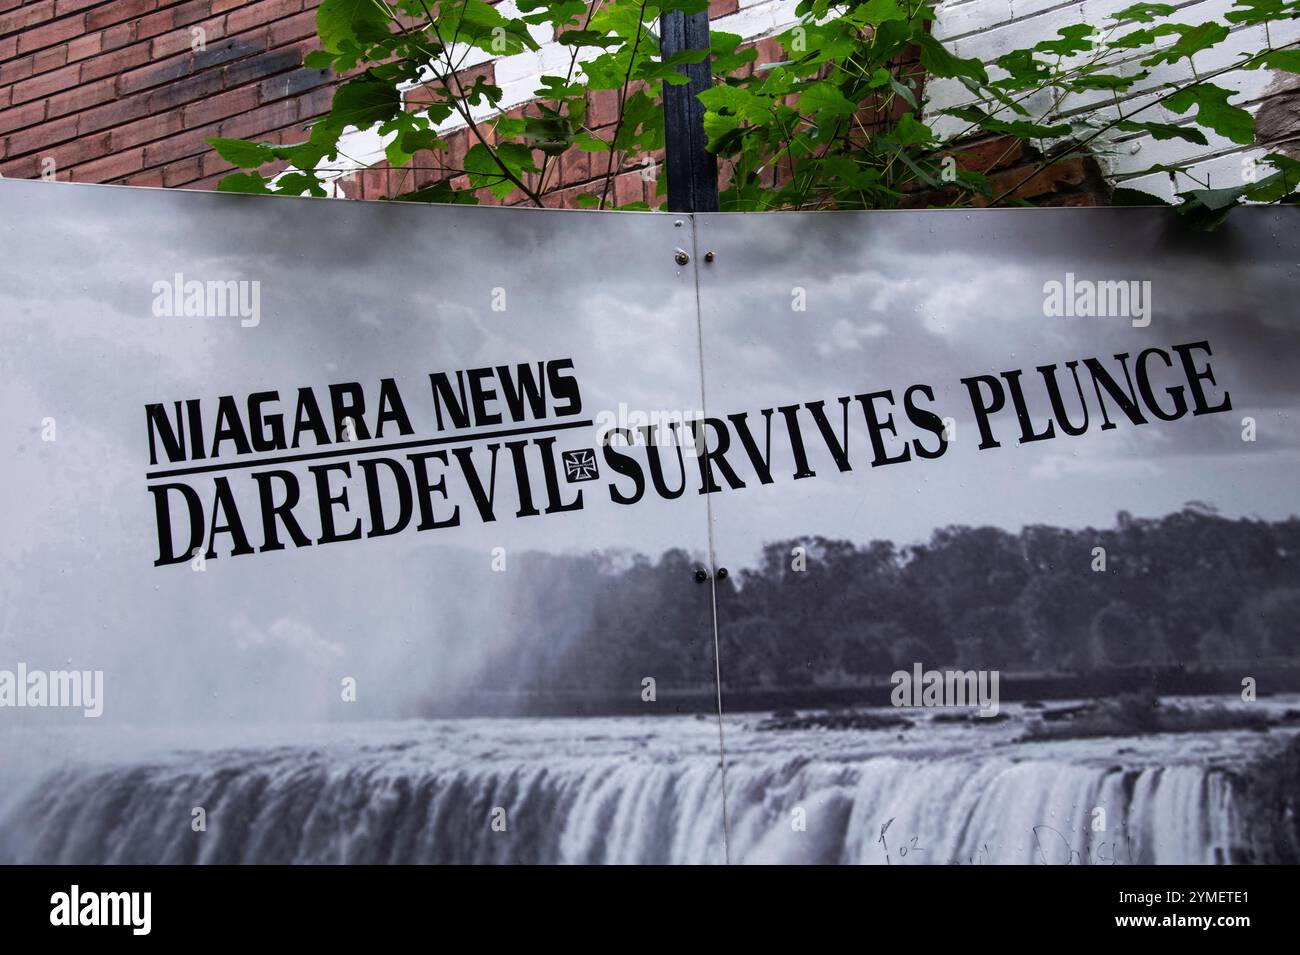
(894, 811)
(634, 789)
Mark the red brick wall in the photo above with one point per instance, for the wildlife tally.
(95, 91)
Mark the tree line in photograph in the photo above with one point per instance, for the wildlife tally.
(1190, 589)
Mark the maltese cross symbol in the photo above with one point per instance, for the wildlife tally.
(580, 465)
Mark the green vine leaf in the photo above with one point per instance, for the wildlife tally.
(1215, 112)
(243, 154)
(939, 62)
(1164, 131)
(246, 182)
(341, 23)
(1191, 40)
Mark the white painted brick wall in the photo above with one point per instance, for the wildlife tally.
(989, 28)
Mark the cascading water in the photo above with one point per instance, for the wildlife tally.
(303, 810)
(627, 790)
(898, 811)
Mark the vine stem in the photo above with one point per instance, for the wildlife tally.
(622, 107)
(568, 78)
(458, 97)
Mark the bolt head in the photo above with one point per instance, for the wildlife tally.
(682, 257)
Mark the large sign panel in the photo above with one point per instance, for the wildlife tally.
(360, 532)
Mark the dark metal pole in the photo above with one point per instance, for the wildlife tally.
(692, 169)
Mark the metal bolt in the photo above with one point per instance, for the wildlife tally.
(679, 223)
(708, 256)
(701, 575)
(722, 573)
(682, 257)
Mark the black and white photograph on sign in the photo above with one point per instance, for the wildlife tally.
(1012, 606)
(1012, 536)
